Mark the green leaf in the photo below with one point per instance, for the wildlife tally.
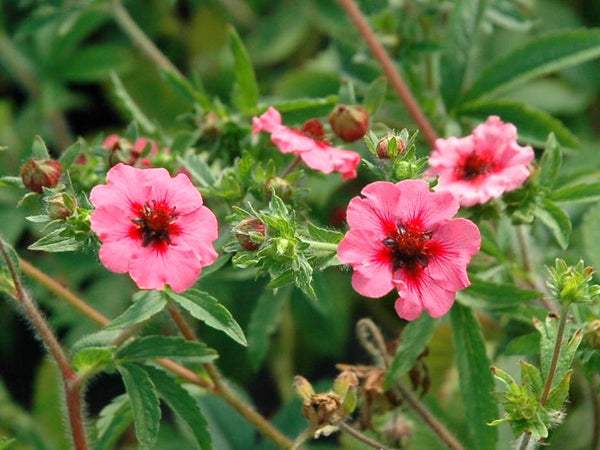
(115, 418)
(5, 443)
(578, 193)
(463, 25)
(531, 379)
(550, 162)
(198, 169)
(415, 337)
(206, 308)
(536, 58)
(475, 379)
(375, 95)
(148, 347)
(558, 395)
(94, 62)
(556, 220)
(57, 241)
(39, 149)
(146, 304)
(7, 284)
(183, 404)
(186, 89)
(91, 358)
(534, 125)
(324, 234)
(70, 154)
(245, 94)
(591, 237)
(264, 321)
(500, 294)
(144, 404)
(130, 105)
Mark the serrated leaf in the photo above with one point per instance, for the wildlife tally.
(550, 162)
(415, 337)
(531, 379)
(324, 234)
(539, 57)
(130, 105)
(475, 379)
(533, 125)
(463, 25)
(559, 393)
(148, 347)
(264, 321)
(144, 404)
(206, 308)
(198, 169)
(556, 220)
(91, 358)
(577, 193)
(375, 95)
(56, 241)
(245, 95)
(115, 418)
(186, 89)
(146, 304)
(183, 404)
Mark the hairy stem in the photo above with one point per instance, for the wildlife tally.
(72, 393)
(139, 38)
(386, 63)
(228, 394)
(555, 356)
(595, 444)
(359, 436)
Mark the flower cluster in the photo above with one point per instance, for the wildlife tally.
(483, 165)
(402, 237)
(153, 226)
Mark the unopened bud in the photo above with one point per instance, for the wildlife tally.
(303, 388)
(323, 409)
(390, 146)
(280, 186)
(314, 128)
(350, 123)
(250, 233)
(40, 173)
(591, 334)
(59, 206)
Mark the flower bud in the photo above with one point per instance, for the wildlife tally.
(314, 128)
(250, 233)
(390, 146)
(350, 123)
(59, 206)
(303, 388)
(282, 188)
(40, 173)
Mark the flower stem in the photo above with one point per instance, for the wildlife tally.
(69, 378)
(595, 444)
(386, 63)
(555, 355)
(139, 38)
(359, 436)
(223, 389)
(325, 246)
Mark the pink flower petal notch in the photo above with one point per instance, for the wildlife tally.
(153, 226)
(402, 236)
(483, 165)
(311, 147)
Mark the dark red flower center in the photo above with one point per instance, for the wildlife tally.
(154, 224)
(474, 165)
(408, 245)
(313, 128)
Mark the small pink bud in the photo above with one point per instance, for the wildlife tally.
(250, 233)
(350, 123)
(40, 173)
(384, 151)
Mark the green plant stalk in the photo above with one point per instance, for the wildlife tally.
(555, 356)
(387, 65)
(325, 246)
(223, 389)
(69, 378)
(359, 436)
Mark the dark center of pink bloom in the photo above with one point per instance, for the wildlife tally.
(408, 245)
(474, 165)
(154, 224)
(313, 128)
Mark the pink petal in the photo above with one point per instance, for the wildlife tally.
(111, 223)
(377, 211)
(178, 191)
(291, 141)
(178, 267)
(372, 280)
(198, 230)
(422, 293)
(125, 185)
(116, 255)
(269, 121)
(419, 204)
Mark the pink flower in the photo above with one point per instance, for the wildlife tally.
(130, 153)
(482, 165)
(316, 153)
(402, 237)
(153, 226)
